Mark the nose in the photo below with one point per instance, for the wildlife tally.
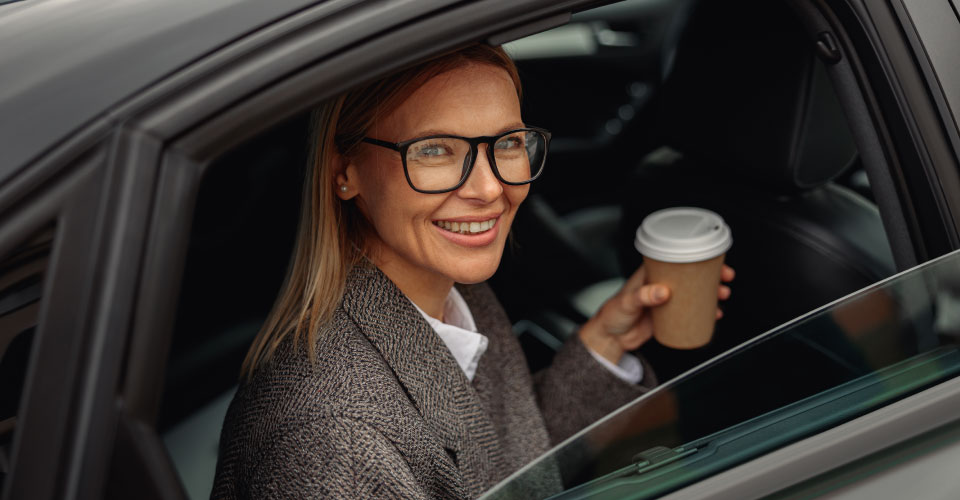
(482, 184)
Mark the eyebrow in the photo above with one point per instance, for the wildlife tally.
(427, 132)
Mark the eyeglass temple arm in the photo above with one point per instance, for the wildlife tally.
(384, 144)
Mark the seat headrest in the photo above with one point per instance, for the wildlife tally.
(749, 96)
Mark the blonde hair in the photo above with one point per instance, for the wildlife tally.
(331, 233)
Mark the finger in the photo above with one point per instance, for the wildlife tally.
(724, 292)
(719, 313)
(625, 305)
(632, 303)
(727, 273)
(638, 335)
(636, 280)
(654, 295)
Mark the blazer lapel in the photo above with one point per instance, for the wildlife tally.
(429, 373)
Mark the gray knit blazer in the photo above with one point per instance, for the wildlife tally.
(387, 412)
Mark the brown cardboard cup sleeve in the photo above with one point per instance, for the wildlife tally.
(684, 249)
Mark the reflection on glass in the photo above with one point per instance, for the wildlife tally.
(862, 352)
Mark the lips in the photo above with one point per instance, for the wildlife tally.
(466, 227)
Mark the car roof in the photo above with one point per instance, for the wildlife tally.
(67, 62)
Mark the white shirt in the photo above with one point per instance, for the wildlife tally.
(459, 333)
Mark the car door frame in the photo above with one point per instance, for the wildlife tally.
(931, 33)
(82, 189)
(919, 151)
(239, 93)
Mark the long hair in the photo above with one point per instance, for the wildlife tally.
(332, 232)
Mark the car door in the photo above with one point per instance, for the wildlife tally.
(62, 228)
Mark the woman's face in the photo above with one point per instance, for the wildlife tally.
(411, 246)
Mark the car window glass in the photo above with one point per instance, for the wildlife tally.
(21, 282)
(834, 364)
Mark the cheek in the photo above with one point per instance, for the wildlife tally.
(395, 209)
(377, 189)
(516, 194)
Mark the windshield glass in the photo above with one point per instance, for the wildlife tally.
(838, 362)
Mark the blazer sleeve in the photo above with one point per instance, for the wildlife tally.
(334, 458)
(576, 390)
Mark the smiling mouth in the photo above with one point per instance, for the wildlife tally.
(466, 227)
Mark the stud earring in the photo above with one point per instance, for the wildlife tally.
(343, 188)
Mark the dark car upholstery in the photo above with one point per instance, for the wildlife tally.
(754, 132)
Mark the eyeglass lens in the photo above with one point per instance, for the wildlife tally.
(440, 163)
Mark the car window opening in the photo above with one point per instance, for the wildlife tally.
(675, 121)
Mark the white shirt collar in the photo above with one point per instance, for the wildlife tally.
(458, 332)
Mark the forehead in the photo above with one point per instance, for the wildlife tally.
(472, 100)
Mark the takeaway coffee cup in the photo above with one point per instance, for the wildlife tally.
(683, 248)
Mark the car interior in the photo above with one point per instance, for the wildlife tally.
(652, 104)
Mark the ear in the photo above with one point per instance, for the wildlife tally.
(347, 185)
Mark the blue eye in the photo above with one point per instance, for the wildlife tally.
(511, 142)
(432, 149)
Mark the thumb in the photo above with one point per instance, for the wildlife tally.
(622, 313)
(646, 296)
(653, 295)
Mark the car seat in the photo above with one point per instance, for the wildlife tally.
(754, 131)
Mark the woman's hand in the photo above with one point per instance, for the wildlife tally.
(622, 324)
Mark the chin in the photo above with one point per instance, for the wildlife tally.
(472, 280)
(470, 273)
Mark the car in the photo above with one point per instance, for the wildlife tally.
(151, 155)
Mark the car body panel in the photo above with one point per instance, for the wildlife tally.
(938, 29)
(55, 84)
(933, 31)
(924, 154)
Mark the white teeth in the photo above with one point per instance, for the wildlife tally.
(466, 227)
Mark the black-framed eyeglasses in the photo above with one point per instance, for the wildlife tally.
(442, 163)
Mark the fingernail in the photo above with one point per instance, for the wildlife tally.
(659, 293)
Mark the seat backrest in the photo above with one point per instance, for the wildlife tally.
(755, 133)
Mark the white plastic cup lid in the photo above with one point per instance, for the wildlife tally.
(683, 234)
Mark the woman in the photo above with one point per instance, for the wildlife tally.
(374, 376)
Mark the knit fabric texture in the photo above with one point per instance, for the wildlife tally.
(386, 412)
